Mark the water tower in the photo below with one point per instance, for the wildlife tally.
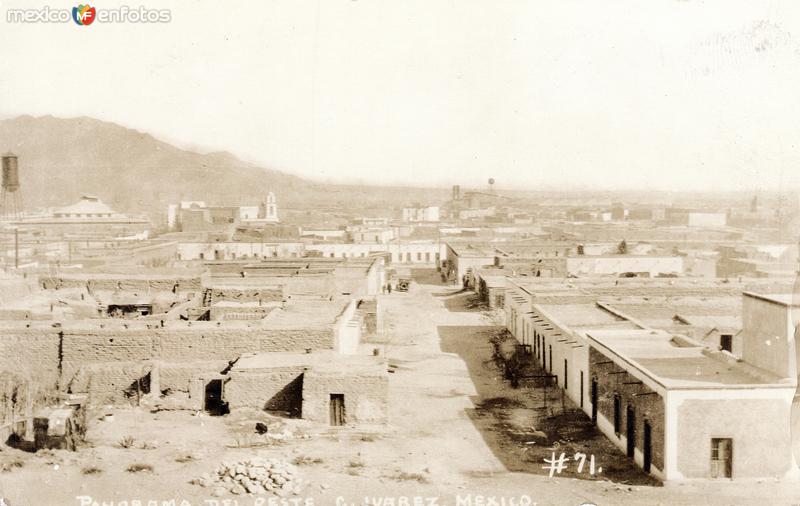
(491, 185)
(12, 196)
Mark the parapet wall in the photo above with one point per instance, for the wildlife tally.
(122, 282)
(246, 294)
(54, 355)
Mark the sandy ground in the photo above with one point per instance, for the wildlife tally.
(459, 435)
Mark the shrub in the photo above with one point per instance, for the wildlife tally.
(404, 476)
(126, 442)
(7, 467)
(138, 468)
(306, 461)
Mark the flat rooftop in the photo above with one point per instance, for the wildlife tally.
(650, 287)
(494, 281)
(325, 361)
(677, 363)
(588, 315)
(320, 314)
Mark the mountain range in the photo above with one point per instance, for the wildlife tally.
(61, 159)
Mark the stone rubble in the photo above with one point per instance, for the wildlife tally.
(256, 475)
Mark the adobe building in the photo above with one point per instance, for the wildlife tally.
(321, 387)
(683, 412)
(679, 408)
(180, 339)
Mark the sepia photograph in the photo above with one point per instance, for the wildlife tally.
(400, 253)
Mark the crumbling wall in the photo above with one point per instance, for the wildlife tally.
(54, 355)
(246, 294)
(276, 389)
(122, 282)
(177, 377)
(365, 396)
(112, 383)
(240, 313)
(33, 352)
(15, 403)
(98, 345)
(82, 348)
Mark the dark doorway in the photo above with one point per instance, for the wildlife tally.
(617, 415)
(214, 404)
(648, 457)
(631, 430)
(337, 409)
(721, 458)
(566, 375)
(581, 388)
(593, 394)
(726, 342)
(544, 355)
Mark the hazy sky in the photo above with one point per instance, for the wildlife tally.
(634, 94)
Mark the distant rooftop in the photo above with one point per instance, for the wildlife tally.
(87, 205)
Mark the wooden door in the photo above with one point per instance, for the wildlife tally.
(337, 409)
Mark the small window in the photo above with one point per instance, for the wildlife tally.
(726, 342)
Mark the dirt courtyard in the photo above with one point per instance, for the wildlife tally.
(458, 435)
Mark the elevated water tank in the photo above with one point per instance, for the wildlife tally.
(10, 172)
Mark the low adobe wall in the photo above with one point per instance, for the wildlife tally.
(274, 389)
(365, 396)
(54, 355)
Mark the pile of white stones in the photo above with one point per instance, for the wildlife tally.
(254, 476)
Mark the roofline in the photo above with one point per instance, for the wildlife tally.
(602, 348)
(767, 298)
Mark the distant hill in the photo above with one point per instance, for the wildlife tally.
(60, 159)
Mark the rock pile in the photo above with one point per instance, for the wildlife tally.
(254, 476)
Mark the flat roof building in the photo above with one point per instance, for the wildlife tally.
(680, 409)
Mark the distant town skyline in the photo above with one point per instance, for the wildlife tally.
(671, 95)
